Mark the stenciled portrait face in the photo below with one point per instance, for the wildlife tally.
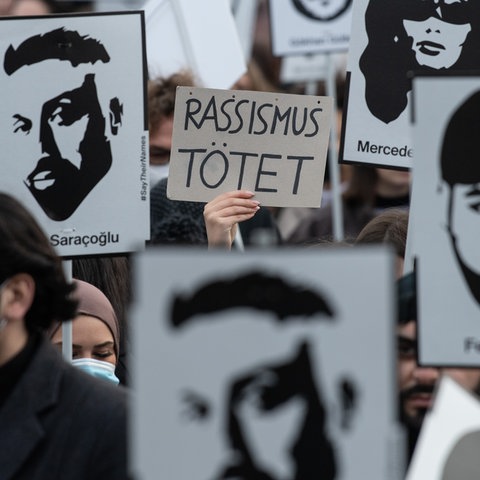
(464, 223)
(60, 136)
(322, 9)
(437, 43)
(256, 416)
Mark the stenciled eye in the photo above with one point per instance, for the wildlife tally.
(22, 124)
(195, 408)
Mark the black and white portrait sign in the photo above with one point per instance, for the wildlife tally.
(263, 366)
(391, 38)
(73, 129)
(310, 26)
(272, 144)
(445, 211)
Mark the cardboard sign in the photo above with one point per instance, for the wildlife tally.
(199, 36)
(303, 26)
(444, 215)
(73, 128)
(272, 144)
(260, 365)
(449, 442)
(389, 40)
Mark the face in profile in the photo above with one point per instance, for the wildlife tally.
(255, 414)
(437, 43)
(322, 9)
(60, 136)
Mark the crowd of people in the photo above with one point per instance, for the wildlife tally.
(47, 405)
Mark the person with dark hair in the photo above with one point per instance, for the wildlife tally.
(237, 401)
(415, 35)
(461, 173)
(369, 192)
(416, 384)
(56, 421)
(69, 128)
(389, 227)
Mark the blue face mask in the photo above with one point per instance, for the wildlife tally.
(97, 368)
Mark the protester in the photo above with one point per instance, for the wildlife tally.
(111, 275)
(161, 105)
(55, 421)
(416, 384)
(95, 333)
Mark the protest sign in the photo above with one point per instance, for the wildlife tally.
(272, 144)
(389, 40)
(74, 128)
(444, 213)
(303, 26)
(248, 380)
(198, 36)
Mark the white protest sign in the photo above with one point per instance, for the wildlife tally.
(248, 381)
(199, 36)
(303, 68)
(272, 144)
(389, 40)
(74, 130)
(448, 445)
(444, 217)
(303, 26)
(245, 14)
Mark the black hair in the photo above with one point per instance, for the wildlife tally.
(24, 248)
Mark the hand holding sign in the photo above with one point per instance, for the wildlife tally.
(223, 214)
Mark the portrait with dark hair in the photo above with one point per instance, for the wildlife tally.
(444, 215)
(391, 41)
(419, 36)
(65, 172)
(251, 386)
(68, 120)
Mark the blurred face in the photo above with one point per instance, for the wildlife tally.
(91, 338)
(437, 43)
(416, 384)
(161, 142)
(29, 7)
(392, 183)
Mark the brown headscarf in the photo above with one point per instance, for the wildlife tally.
(93, 302)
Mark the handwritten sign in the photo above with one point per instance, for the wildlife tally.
(274, 145)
